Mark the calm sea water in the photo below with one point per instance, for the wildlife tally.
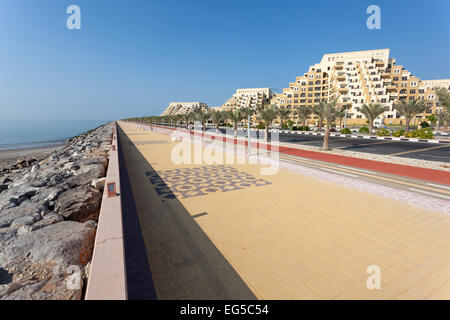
(28, 134)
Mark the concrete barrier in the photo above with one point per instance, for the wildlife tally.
(107, 278)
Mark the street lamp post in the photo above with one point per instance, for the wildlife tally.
(248, 132)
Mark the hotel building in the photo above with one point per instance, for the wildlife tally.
(184, 107)
(358, 78)
(248, 98)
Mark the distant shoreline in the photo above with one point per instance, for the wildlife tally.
(31, 145)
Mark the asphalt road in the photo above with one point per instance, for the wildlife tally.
(415, 150)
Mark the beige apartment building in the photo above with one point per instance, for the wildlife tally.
(358, 78)
(248, 98)
(184, 107)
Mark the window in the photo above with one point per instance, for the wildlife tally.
(404, 78)
(396, 71)
(412, 91)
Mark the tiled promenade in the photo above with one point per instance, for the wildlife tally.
(227, 232)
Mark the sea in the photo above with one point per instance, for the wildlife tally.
(25, 134)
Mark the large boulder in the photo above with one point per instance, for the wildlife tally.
(64, 243)
(79, 204)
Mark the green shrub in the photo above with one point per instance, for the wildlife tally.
(424, 124)
(399, 133)
(364, 129)
(346, 131)
(260, 126)
(424, 133)
(382, 132)
(303, 128)
(294, 128)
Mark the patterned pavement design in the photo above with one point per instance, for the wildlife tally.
(300, 236)
(198, 181)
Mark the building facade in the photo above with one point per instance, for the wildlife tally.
(184, 107)
(248, 98)
(358, 78)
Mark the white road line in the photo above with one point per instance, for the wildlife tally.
(430, 155)
(360, 170)
(430, 193)
(339, 172)
(438, 186)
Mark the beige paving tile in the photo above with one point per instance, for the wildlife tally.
(297, 238)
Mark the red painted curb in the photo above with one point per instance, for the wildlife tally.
(426, 174)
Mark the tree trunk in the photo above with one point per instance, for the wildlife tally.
(304, 122)
(204, 126)
(217, 128)
(326, 140)
(267, 133)
(235, 130)
(445, 126)
(320, 125)
(370, 128)
(407, 120)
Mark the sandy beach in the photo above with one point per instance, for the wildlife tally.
(10, 157)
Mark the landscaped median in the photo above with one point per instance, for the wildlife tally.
(426, 174)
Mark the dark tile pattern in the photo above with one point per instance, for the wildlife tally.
(199, 181)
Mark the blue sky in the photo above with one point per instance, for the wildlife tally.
(132, 57)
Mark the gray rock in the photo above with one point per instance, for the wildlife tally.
(23, 230)
(35, 168)
(23, 221)
(79, 204)
(3, 187)
(48, 219)
(98, 183)
(52, 196)
(64, 243)
(7, 180)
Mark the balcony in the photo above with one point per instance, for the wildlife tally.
(339, 67)
(385, 75)
(391, 88)
(341, 76)
(379, 63)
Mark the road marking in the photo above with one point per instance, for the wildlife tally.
(430, 193)
(438, 186)
(418, 150)
(430, 155)
(371, 175)
(360, 170)
(364, 144)
(339, 172)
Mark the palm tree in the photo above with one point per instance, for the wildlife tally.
(203, 117)
(328, 112)
(283, 114)
(371, 111)
(186, 119)
(303, 114)
(217, 117)
(443, 96)
(409, 109)
(340, 114)
(268, 115)
(444, 116)
(235, 116)
(247, 112)
(319, 110)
